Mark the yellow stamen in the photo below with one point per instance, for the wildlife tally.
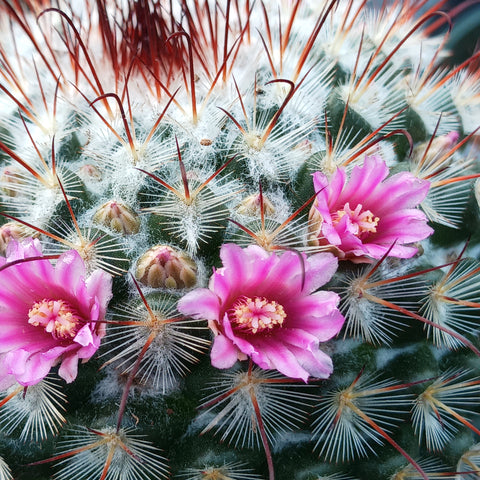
(257, 314)
(362, 222)
(57, 317)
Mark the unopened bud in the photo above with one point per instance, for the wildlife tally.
(119, 217)
(164, 267)
(89, 172)
(306, 146)
(15, 231)
(437, 148)
(10, 180)
(251, 206)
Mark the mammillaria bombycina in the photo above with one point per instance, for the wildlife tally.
(172, 145)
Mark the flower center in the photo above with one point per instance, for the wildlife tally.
(57, 317)
(360, 222)
(257, 314)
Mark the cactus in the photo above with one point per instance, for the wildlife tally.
(238, 240)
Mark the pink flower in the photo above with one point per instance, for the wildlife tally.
(48, 315)
(261, 305)
(364, 216)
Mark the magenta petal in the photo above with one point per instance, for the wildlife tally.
(237, 267)
(321, 268)
(99, 286)
(399, 251)
(6, 379)
(297, 337)
(84, 336)
(317, 363)
(281, 358)
(242, 344)
(224, 353)
(364, 180)
(201, 304)
(289, 265)
(69, 368)
(28, 369)
(243, 269)
(404, 191)
(70, 270)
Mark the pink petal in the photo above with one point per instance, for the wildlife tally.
(320, 269)
(399, 251)
(284, 277)
(402, 190)
(296, 337)
(69, 368)
(99, 286)
(70, 271)
(242, 344)
(317, 363)
(316, 314)
(84, 336)
(244, 270)
(280, 358)
(223, 353)
(363, 182)
(6, 379)
(201, 304)
(28, 369)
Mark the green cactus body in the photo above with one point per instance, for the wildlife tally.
(149, 137)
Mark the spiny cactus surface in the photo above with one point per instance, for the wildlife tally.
(238, 240)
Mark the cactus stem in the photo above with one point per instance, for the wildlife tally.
(40, 230)
(442, 161)
(274, 119)
(69, 454)
(40, 49)
(24, 164)
(312, 38)
(131, 376)
(159, 119)
(367, 147)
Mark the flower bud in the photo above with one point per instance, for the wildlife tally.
(438, 147)
(89, 172)
(119, 217)
(251, 206)
(15, 231)
(164, 267)
(10, 180)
